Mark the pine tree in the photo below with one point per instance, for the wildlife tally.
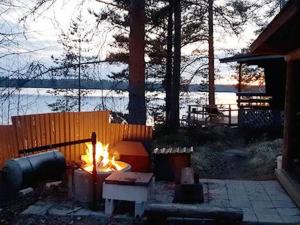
(76, 44)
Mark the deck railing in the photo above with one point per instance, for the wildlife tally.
(202, 115)
(31, 131)
(253, 100)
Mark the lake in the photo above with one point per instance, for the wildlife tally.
(33, 101)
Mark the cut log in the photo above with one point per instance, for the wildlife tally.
(189, 221)
(160, 212)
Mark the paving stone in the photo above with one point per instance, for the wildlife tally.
(267, 211)
(280, 197)
(288, 203)
(259, 196)
(62, 211)
(289, 211)
(238, 195)
(219, 202)
(260, 204)
(39, 208)
(241, 203)
(271, 218)
(236, 186)
(291, 219)
(249, 216)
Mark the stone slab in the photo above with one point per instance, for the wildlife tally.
(263, 202)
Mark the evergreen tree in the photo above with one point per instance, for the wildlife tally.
(76, 44)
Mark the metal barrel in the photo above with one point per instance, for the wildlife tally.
(29, 170)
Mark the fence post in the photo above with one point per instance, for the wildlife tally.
(229, 115)
(94, 174)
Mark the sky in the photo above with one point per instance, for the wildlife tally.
(42, 32)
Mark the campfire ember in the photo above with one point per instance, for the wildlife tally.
(106, 162)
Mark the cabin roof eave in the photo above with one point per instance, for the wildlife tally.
(259, 46)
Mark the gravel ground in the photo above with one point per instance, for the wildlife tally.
(61, 220)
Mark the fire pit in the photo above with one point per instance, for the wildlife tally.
(106, 164)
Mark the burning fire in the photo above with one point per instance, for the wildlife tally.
(105, 161)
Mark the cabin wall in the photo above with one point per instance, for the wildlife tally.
(275, 79)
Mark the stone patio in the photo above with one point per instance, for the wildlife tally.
(263, 202)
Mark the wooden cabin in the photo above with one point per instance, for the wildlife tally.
(282, 37)
(261, 109)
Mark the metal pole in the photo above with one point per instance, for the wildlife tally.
(94, 174)
(229, 115)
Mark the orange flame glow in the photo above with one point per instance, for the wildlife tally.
(105, 162)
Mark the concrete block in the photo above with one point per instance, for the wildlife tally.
(53, 184)
(39, 208)
(25, 191)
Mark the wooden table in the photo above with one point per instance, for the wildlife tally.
(127, 186)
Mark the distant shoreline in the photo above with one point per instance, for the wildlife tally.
(107, 85)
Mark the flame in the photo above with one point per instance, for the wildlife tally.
(105, 162)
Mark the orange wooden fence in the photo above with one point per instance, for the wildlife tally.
(8, 146)
(31, 131)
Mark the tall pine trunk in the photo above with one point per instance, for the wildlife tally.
(176, 65)
(169, 67)
(211, 58)
(137, 103)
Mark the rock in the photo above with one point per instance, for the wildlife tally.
(53, 184)
(25, 191)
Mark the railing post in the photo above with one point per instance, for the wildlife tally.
(189, 115)
(94, 173)
(229, 115)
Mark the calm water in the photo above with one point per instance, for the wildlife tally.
(32, 101)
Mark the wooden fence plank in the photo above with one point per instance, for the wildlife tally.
(52, 128)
